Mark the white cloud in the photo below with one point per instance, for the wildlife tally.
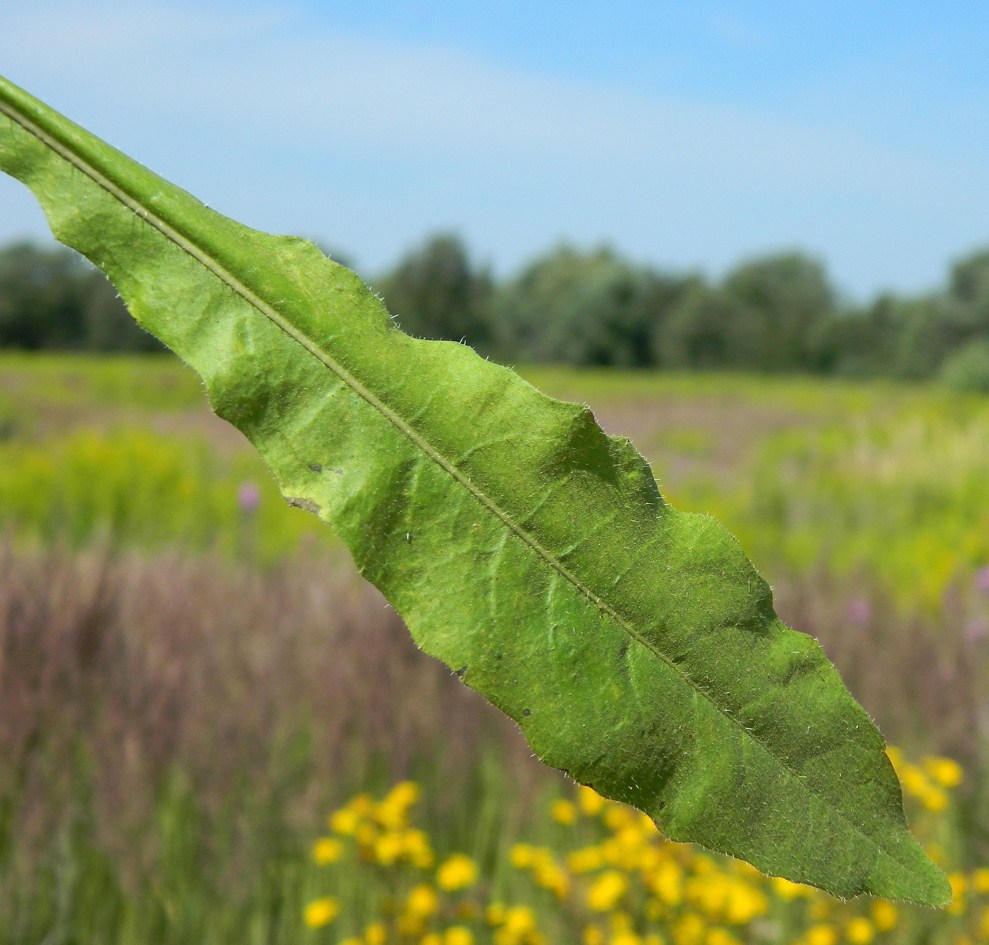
(265, 68)
(270, 85)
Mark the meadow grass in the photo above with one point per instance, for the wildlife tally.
(872, 479)
(191, 677)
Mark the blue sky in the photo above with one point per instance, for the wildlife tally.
(689, 136)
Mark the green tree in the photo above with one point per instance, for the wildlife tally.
(923, 337)
(967, 304)
(437, 292)
(592, 308)
(780, 304)
(861, 342)
(969, 285)
(41, 297)
(54, 299)
(698, 332)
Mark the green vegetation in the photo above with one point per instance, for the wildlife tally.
(51, 299)
(178, 720)
(777, 314)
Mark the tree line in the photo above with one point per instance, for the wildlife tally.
(775, 314)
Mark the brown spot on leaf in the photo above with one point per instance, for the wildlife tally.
(306, 504)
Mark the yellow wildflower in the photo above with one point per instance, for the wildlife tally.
(690, 929)
(366, 836)
(402, 795)
(361, 805)
(934, 799)
(422, 901)
(980, 879)
(606, 891)
(821, 934)
(631, 837)
(719, 936)
(914, 781)
(585, 860)
(433, 938)
(884, 915)
(521, 855)
(592, 936)
(548, 875)
(495, 913)
(625, 938)
(376, 934)
(321, 912)
(617, 817)
(959, 886)
(327, 850)
(417, 848)
(393, 810)
(743, 903)
(456, 872)
(564, 812)
(786, 889)
(945, 772)
(388, 848)
(344, 821)
(860, 931)
(589, 801)
(519, 920)
(458, 935)
(666, 882)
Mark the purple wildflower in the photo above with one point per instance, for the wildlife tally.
(976, 630)
(248, 497)
(859, 611)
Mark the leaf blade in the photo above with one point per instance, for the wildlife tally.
(653, 667)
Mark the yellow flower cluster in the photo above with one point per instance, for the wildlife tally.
(379, 836)
(545, 869)
(605, 876)
(930, 781)
(514, 925)
(631, 887)
(381, 829)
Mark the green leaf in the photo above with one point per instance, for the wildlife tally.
(635, 645)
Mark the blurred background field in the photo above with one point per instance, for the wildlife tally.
(192, 677)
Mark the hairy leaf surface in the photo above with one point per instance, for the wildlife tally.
(635, 645)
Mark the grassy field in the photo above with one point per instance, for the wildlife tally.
(191, 677)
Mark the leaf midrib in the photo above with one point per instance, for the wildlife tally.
(236, 285)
